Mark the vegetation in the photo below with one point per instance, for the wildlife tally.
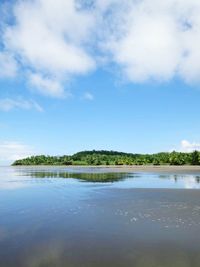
(103, 157)
(90, 177)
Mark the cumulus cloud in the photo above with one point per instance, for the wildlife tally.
(11, 151)
(157, 40)
(8, 104)
(187, 146)
(50, 37)
(147, 40)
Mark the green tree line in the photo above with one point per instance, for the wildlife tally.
(103, 157)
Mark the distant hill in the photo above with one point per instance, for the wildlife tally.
(104, 157)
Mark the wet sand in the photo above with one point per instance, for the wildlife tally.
(110, 227)
(160, 169)
(187, 169)
(150, 168)
(52, 222)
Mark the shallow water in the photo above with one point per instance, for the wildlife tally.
(53, 217)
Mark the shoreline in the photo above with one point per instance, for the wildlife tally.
(125, 168)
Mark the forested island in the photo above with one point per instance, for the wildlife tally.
(103, 157)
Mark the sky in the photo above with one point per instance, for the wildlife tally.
(98, 74)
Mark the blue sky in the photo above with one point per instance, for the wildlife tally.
(81, 81)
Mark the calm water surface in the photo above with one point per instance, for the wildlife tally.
(53, 217)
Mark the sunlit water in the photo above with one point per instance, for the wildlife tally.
(53, 217)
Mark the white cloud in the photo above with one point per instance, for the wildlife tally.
(50, 37)
(11, 151)
(8, 104)
(14, 185)
(147, 40)
(186, 146)
(190, 182)
(46, 86)
(153, 39)
(88, 96)
(8, 65)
